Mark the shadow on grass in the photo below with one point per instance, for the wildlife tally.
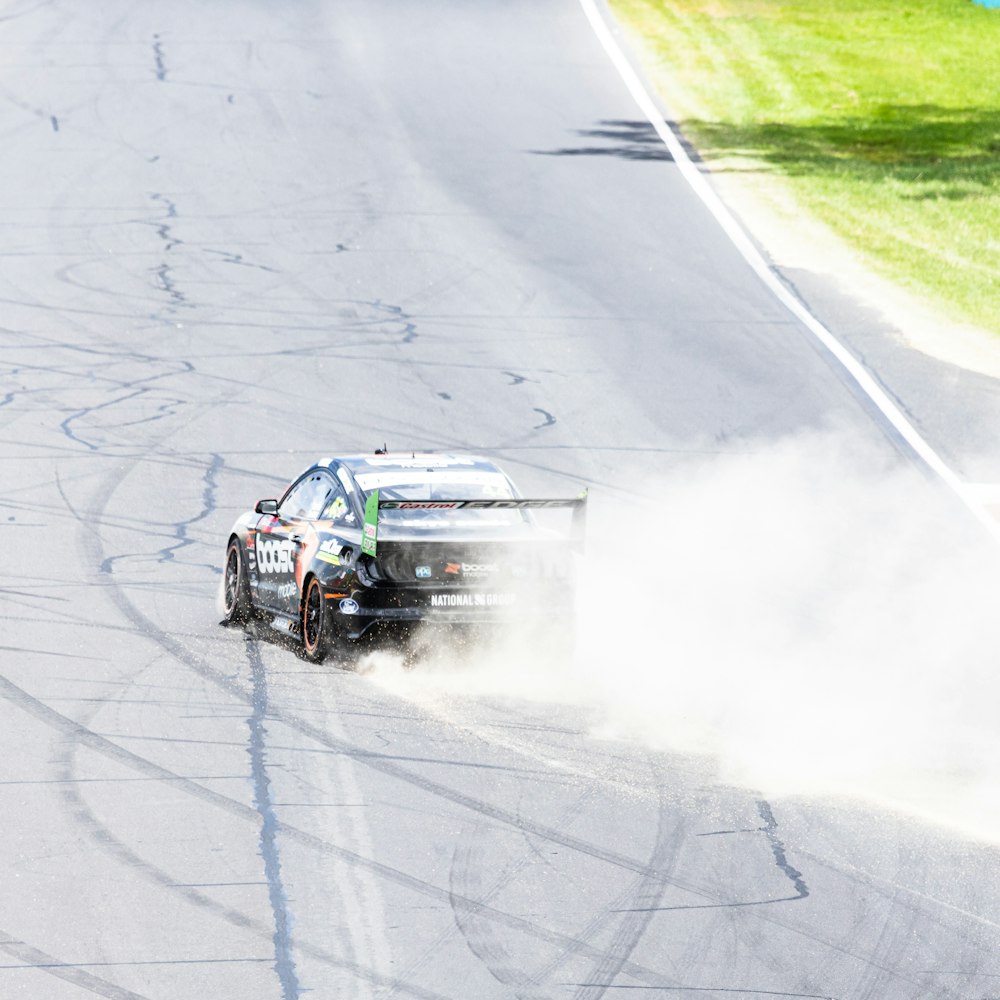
(941, 152)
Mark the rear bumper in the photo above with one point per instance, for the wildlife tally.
(397, 608)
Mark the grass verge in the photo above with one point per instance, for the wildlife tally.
(881, 116)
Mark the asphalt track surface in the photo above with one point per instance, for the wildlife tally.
(237, 236)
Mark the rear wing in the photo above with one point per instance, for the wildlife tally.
(374, 504)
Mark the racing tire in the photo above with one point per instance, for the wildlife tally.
(316, 625)
(235, 588)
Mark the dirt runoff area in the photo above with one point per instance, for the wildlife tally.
(794, 239)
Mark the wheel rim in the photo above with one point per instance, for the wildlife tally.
(313, 617)
(232, 578)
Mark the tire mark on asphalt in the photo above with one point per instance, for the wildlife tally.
(101, 745)
(893, 936)
(634, 970)
(727, 989)
(385, 766)
(284, 962)
(27, 10)
(107, 841)
(780, 859)
(132, 388)
(646, 895)
(35, 959)
(478, 933)
(93, 542)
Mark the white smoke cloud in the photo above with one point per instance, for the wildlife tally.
(818, 620)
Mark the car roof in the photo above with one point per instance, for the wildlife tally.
(401, 462)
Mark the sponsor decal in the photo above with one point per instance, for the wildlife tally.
(472, 600)
(475, 504)
(349, 606)
(423, 572)
(422, 505)
(276, 555)
(471, 569)
(329, 552)
(479, 569)
(369, 538)
(287, 590)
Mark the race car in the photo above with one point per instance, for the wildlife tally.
(372, 543)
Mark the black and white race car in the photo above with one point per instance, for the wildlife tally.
(368, 543)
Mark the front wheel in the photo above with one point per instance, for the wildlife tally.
(236, 590)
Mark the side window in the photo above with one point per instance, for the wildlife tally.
(308, 498)
(338, 509)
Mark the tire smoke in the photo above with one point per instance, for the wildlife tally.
(819, 621)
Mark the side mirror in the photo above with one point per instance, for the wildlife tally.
(266, 507)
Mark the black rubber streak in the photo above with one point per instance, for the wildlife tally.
(35, 959)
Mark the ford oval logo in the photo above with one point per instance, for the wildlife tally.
(349, 606)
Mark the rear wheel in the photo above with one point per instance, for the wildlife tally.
(236, 590)
(315, 622)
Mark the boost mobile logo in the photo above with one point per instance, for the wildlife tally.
(275, 556)
(471, 569)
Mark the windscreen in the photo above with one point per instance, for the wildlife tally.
(446, 484)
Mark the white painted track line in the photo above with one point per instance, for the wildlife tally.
(739, 238)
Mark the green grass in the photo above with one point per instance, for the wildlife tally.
(881, 116)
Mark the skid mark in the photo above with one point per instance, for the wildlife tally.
(32, 958)
(134, 864)
(100, 744)
(466, 880)
(646, 894)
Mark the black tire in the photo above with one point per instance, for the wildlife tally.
(235, 588)
(315, 622)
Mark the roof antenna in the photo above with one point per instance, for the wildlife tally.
(382, 451)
